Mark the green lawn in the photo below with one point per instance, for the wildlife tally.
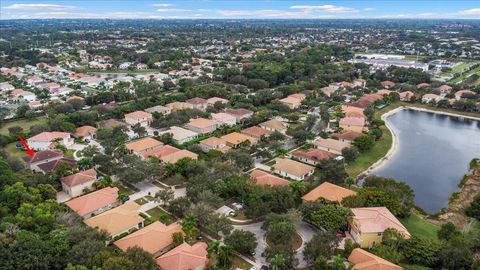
(160, 215)
(24, 123)
(123, 189)
(418, 226)
(14, 152)
(141, 201)
(238, 262)
(465, 75)
(378, 151)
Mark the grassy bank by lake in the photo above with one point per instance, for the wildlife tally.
(24, 123)
(418, 226)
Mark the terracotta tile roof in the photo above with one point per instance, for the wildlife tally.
(388, 83)
(176, 156)
(422, 85)
(152, 238)
(85, 131)
(196, 100)
(377, 219)
(184, 257)
(265, 179)
(49, 136)
(366, 100)
(202, 122)
(214, 100)
(329, 192)
(110, 123)
(406, 94)
(237, 138)
(43, 155)
(117, 220)
(363, 260)
(256, 132)
(92, 201)
(291, 100)
(314, 154)
(142, 144)
(241, 112)
(80, 178)
(292, 167)
(52, 165)
(384, 92)
(352, 121)
(274, 124)
(213, 141)
(161, 151)
(175, 106)
(139, 115)
(352, 111)
(347, 135)
(330, 143)
(222, 117)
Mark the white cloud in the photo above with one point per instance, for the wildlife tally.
(473, 11)
(89, 15)
(262, 13)
(163, 5)
(327, 8)
(39, 7)
(172, 10)
(368, 9)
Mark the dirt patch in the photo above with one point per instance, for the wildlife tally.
(456, 209)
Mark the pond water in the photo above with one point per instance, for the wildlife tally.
(433, 153)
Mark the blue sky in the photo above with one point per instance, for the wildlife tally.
(273, 9)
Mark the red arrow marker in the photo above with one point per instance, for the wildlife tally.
(30, 152)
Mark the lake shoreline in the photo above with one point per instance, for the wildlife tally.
(395, 141)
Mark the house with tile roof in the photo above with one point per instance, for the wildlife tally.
(181, 135)
(47, 160)
(177, 106)
(292, 169)
(256, 132)
(313, 156)
(293, 101)
(75, 184)
(198, 103)
(185, 257)
(274, 125)
(202, 125)
(366, 100)
(428, 98)
(211, 101)
(86, 132)
(266, 179)
(356, 124)
(406, 95)
(459, 94)
(330, 145)
(368, 224)
(95, 202)
(20, 94)
(329, 192)
(388, 84)
(235, 139)
(346, 136)
(240, 114)
(139, 117)
(116, 221)
(224, 119)
(155, 238)
(163, 110)
(351, 111)
(363, 260)
(178, 155)
(140, 146)
(48, 140)
(214, 143)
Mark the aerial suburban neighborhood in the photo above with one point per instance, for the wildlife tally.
(272, 137)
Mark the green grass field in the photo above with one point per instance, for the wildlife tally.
(465, 75)
(24, 123)
(162, 216)
(418, 226)
(14, 152)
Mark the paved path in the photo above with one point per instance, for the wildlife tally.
(307, 232)
(147, 188)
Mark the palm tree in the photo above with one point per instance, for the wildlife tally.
(277, 262)
(189, 225)
(224, 254)
(349, 181)
(298, 188)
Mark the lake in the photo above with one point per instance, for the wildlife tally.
(432, 155)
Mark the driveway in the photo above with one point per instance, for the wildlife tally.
(147, 188)
(305, 230)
